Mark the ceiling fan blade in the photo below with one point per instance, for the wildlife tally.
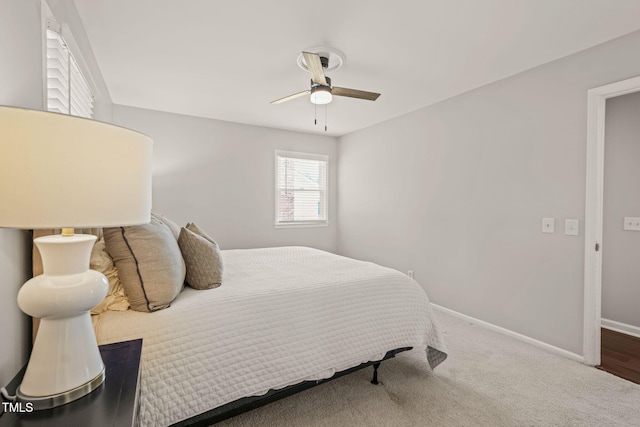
(354, 93)
(290, 97)
(315, 68)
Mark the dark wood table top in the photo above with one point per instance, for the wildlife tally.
(114, 403)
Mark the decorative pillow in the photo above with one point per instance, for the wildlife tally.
(203, 259)
(192, 227)
(175, 228)
(116, 299)
(149, 264)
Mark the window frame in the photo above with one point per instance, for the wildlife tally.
(49, 23)
(303, 156)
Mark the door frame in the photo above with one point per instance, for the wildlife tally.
(596, 109)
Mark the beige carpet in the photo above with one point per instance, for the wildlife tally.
(488, 380)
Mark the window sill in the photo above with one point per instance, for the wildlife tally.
(302, 225)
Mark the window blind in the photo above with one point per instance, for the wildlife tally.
(301, 188)
(67, 89)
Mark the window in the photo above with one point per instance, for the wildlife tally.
(67, 89)
(301, 189)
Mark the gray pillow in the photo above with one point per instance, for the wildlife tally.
(175, 228)
(149, 263)
(203, 259)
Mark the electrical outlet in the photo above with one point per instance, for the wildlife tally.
(632, 223)
(548, 225)
(571, 227)
(410, 273)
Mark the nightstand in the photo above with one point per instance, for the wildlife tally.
(114, 403)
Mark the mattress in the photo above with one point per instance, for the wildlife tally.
(282, 316)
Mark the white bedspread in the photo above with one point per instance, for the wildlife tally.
(281, 316)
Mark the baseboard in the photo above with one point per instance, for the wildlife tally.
(623, 328)
(520, 337)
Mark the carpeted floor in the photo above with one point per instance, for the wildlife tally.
(489, 379)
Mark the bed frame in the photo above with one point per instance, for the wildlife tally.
(246, 404)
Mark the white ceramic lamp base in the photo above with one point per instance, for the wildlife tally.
(65, 362)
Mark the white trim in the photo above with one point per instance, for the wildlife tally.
(301, 224)
(301, 155)
(623, 328)
(519, 337)
(45, 15)
(596, 106)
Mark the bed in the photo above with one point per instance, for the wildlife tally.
(282, 317)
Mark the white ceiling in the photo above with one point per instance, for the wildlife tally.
(228, 59)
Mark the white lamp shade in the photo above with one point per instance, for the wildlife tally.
(65, 171)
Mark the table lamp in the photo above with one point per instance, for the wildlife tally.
(60, 171)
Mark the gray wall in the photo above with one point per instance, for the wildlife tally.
(21, 85)
(621, 249)
(456, 192)
(220, 175)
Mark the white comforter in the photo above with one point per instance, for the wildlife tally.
(281, 316)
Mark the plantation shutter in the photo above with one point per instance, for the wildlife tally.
(301, 189)
(67, 89)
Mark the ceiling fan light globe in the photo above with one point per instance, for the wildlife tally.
(321, 95)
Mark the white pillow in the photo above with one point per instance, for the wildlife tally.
(116, 299)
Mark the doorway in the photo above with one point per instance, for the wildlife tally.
(620, 320)
(594, 203)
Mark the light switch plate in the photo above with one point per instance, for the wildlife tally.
(548, 225)
(632, 223)
(571, 227)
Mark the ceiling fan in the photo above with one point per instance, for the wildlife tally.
(321, 90)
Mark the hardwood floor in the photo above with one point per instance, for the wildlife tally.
(620, 355)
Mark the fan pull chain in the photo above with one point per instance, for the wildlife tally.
(315, 114)
(326, 107)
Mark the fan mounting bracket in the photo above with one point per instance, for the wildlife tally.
(317, 84)
(333, 57)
